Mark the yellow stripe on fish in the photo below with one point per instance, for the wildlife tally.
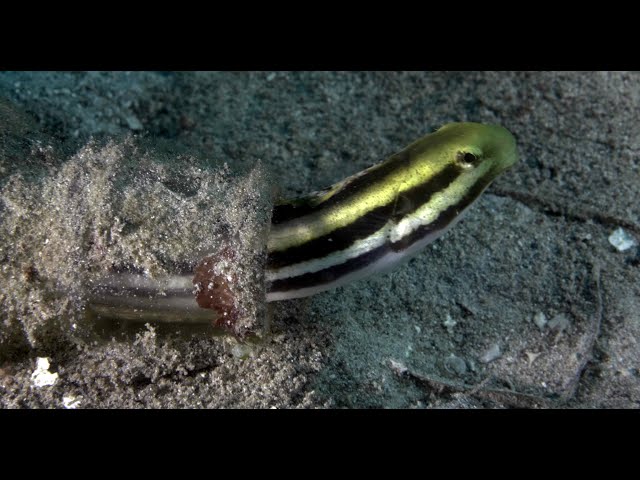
(381, 216)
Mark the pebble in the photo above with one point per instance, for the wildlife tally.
(531, 357)
(540, 319)
(133, 122)
(41, 376)
(241, 351)
(455, 365)
(71, 402)
(449, 322)
(493, 353)
(622, 240)
(559, 323)
(398, 367)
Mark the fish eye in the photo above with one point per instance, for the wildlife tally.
(467, 159)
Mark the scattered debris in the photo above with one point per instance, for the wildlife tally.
(408, 351)
(531, 357)
(493, 353)
(133, 123)
(622, 240)
(71, 402)
(559, 323)
(584, 236)
(455, 365)
(242, 350)
(41, 376)
(483, 390)
(540, 319)
(397, 367)
(449, 323)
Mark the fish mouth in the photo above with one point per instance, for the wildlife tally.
(508, 147)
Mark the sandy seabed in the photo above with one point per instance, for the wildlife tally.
(524, 303)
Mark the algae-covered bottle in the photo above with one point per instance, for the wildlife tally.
(118, 236)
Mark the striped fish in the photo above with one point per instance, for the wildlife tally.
(365, 224)
(375, 219)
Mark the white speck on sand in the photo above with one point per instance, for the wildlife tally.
(540, 319)
(559, 323)
(493, 353)
(622, 240)
(398, 367)
(455, 365)
(71, 402)
(133, 122)
(41, 376)
(449, 322)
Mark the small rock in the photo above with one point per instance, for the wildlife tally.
(133, 122)
(398, 367)
(455, 365)
(493, 353)
(584, 236)
(41, 376)
(449, 322)
(540, 319)
(71, 402)
(242, 350)
(622, 240)
(531, 357)
(559, 323)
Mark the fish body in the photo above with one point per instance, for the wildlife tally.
(367, 223)
(374, 220)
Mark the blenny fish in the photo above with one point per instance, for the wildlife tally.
(373, 220)
(365, 224)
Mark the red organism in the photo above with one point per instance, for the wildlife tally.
(215, 281)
